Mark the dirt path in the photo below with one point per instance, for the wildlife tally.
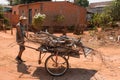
(90, 68)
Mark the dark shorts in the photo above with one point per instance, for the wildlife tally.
(22, 48)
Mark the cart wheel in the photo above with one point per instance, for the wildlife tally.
(66, 57)
(56, 65)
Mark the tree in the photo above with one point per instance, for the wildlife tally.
(2, 18)
(105, 19)
(115, 10)
(109, 15)
(11, 2)
(102, 19)
(1, 13)
(84, 3)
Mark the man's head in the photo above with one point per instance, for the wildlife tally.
(22, 19)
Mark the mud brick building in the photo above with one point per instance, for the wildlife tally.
(73, 14)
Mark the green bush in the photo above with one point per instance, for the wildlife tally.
(38, 20)
(59, 18)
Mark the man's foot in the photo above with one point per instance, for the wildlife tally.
(19, 59)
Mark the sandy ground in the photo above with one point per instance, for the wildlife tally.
(90, 68)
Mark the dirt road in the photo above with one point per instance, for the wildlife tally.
(90, 68)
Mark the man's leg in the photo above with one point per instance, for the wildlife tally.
(20, 53)
(18, 58)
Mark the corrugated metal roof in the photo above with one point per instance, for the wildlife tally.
(7, 8)
(100, 4)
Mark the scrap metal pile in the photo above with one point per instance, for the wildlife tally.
(52, 40)
(62, 44)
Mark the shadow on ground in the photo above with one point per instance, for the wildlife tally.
(22, 68)
(71, 74)
(41, 74)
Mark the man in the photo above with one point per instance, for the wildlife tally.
(20, 33)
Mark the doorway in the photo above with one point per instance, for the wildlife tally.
(30, 16)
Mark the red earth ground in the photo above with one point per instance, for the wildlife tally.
(104, 65)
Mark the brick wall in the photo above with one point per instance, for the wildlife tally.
(73, 14)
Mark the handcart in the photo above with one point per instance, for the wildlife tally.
(60, 48)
